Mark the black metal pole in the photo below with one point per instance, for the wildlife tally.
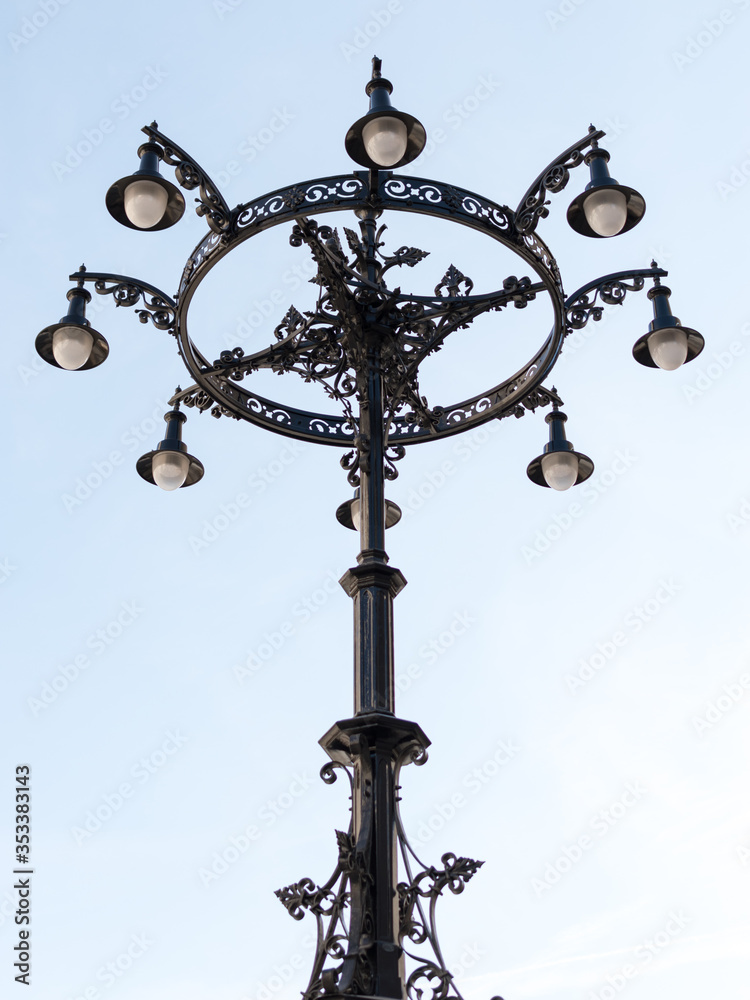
(375, 739)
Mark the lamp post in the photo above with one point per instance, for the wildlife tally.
(364, 343)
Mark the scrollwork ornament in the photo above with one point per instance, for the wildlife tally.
(190, 175)
(349, 461)
(452, 280)
(393, 453)
(429, 973)
(329, 775)
(156, 306)
(553, 178)
(589, 305)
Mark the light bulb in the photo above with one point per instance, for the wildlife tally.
(385, 140)
(170, 469)
(71, 346)
(606, 211)
(668, 347)
(145, 203)
(560, 469)
(356, 513)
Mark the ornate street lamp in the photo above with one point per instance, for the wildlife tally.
(364, 343)
(73, 343)
(559, 466)
(169, 465)
(605, 208)
(145, 200)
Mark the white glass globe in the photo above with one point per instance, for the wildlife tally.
(145, 203)
(606, 211)
(668, 347)
(356, 513)
(170, 469)
(385, 140)
(560, 469)
(71, 346)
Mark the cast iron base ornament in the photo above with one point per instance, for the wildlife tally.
(363, 343)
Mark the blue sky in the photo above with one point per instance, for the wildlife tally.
(579, 660)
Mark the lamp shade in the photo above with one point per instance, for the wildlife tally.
(169, 466)
(559, 466)
(605, 208)
(348, 513)
(668, 344)
(73, 343)
(384, 138)
(145, 200)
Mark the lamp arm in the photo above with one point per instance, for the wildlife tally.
(609, 290)
(190, 175)
(157, 305)
(553, 178)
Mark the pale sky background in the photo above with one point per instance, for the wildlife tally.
(657, 550)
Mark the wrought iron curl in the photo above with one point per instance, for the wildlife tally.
(429, 971)
(190, 175)
(356, 460)
(554, 177)
(329, 776)
(587, 306)
(393, 453)
(157, 307)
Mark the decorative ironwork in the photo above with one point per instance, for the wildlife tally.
(157, 305)
(342, 902)
(554, 177)
(363, 343)
(419, 927)
(588, 301)
(325, 902)
(357, 460)
(323, 347)
(452, 281)
(191, 175)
